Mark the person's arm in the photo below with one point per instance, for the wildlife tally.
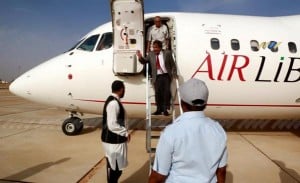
(174, 69)
(173, 65)
(141, 59)
(149, 40)
(163, 160)
(112, 113)
(167, 44)
(156, 177)
(148, 46)
(221, 174)
(167, 38)
(221, 170)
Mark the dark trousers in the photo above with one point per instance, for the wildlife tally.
(112, 175)
(162, 92)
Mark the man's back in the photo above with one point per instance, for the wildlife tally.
(191, 149)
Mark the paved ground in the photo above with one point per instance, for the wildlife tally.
(34, 149)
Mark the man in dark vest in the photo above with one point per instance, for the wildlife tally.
(114, 133)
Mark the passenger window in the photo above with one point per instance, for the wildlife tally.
(254, 45)
(292, 47)
(235, 44)
(215, 43)
(273, 46)
(105, 41)
(89, 43)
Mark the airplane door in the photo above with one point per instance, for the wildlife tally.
(128, 34)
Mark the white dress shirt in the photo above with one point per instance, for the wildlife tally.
(158, 33)
(162, 69)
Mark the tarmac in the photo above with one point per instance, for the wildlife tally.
(33, 148)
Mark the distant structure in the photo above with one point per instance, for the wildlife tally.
(3, 82)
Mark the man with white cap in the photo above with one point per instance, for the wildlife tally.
(192, 149)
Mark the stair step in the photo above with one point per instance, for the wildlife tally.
(153, 150)
(161, 116)
(158, 126)
(155, 136)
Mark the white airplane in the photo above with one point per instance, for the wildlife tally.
(250, 64)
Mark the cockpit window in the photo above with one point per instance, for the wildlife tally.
(105, 41)
(73, 47)
(89, 43)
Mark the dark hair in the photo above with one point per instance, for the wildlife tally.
(117, 85)
(193, 108)
(158, 43)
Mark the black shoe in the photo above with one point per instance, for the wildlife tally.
(166, 113)
(156, 113)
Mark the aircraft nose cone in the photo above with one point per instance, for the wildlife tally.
(13, 87)
(38, 83)
(19, 87)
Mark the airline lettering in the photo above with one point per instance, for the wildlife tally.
(239, 64)
(288, 74)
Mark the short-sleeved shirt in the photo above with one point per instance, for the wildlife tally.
(191, 149)
(160, 34)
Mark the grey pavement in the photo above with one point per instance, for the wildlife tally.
(33, 148)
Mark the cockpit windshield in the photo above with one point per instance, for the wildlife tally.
(105, 41)
(89, 43)
(73, 47)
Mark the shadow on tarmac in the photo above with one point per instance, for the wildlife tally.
(143, 173)
(229, 177)
(33, 170)
(286, 173)
(91, 124)
(139, 176)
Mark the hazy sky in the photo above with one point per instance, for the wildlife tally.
(32, 31)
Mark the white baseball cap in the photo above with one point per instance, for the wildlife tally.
(194, 92)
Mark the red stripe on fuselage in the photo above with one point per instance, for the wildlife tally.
(216, 105)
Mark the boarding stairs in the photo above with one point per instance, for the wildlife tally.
(153, 131)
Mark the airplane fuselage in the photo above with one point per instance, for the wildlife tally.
(248, 64)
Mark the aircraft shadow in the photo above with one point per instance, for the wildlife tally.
(286, 173)
(32, 170)
(139, 176)
(260, 125)
(91, 124)
(229, 177)
(142, 175)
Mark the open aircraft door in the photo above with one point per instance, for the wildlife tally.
(128, 35)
